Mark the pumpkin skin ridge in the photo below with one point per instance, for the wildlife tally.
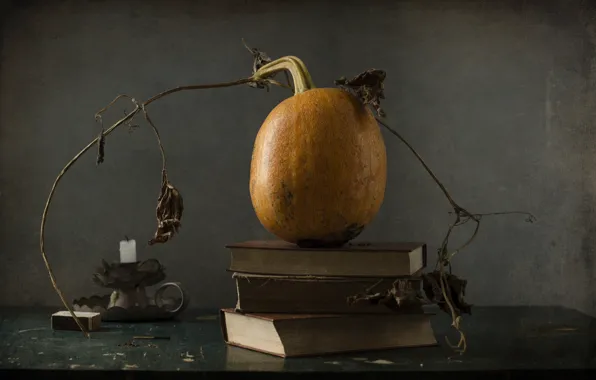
(318, 169)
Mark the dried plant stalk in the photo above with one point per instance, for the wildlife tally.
(45, 214)
(170, 205)
(440, 286)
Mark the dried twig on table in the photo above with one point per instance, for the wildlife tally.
(169, 208)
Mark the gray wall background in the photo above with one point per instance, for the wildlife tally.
(498, 97)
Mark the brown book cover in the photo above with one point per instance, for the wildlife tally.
(295, 335)
(312, 294)
(275, 257)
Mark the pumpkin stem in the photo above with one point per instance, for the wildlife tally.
(300, 75)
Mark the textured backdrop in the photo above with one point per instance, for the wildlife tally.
(497, 96)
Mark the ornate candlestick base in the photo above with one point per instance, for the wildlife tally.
(129, 301)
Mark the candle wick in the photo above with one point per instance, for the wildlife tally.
(126, 237)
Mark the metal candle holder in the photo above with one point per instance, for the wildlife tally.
(129, 300)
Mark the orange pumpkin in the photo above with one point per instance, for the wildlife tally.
(319, 167)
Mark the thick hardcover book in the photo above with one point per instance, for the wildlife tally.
(292, 335)
(275, 257)
(311, 294)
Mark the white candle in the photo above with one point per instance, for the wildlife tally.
(128, 251)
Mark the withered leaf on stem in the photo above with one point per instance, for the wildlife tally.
(401, 295)
(260, 59)
(101, 142)
(169, 212)
(455, 290)
(368, 87)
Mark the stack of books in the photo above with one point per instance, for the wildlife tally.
(296, 301)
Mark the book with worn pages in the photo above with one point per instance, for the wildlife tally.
(293, 335)
(274, 257)
(315, 294)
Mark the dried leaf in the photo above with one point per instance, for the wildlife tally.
(168, 212)
(260, 59)
(455, 290)
(368, 87)
(403, 292)
(101, 142)
(401, 295)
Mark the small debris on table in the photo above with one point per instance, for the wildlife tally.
(150, 337)
(133, 343)
(187, 357)
(81, 366)
(380, 361)
(207, 318)
(128, 344)
(28, 330)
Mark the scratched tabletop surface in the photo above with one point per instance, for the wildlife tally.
(503, 342)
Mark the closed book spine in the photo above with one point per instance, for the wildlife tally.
(361, 260)
(315, 294)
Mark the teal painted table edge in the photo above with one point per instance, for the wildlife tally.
(504, 343)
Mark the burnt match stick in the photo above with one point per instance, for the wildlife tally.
(150, 337)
